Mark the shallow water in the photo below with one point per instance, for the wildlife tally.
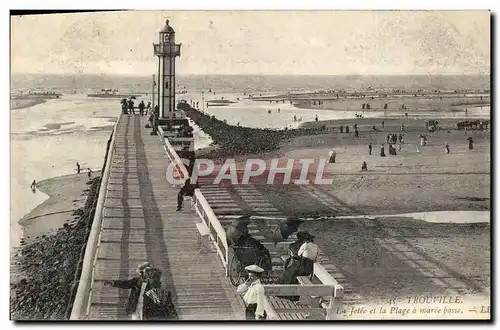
(440, 216)
(255, 113)
(48, 139)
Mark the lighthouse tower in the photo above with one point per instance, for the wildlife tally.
(166, 50)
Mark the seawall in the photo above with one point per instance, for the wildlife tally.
(50, 266)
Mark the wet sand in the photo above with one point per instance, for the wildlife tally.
(21, 104)
(66, 194)
(411, 181)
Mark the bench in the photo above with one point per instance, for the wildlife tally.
(191, 201)
(203, 237)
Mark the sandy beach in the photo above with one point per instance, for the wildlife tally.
(43, 268)
(25, 103)
(411, 181)
(66, 194)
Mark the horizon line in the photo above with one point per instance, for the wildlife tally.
(254, 74)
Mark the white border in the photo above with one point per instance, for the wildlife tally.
(191, 4)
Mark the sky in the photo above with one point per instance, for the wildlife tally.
(256, 42)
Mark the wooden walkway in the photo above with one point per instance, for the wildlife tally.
(140, 224)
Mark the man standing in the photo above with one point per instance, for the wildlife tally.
(131, 107)
(141, 108)
(156, 116)
(370, 149)
(77, 167)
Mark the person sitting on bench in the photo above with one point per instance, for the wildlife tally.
(303, 265)
(186, 190)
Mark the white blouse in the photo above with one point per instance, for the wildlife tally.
(308, 250)
(253, 294)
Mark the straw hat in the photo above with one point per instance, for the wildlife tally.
(254, 269)
(143, 266)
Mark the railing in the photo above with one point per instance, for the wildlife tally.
(83, 297)
(329, 287)
(174, 158)
(204, 211)
(217, 232)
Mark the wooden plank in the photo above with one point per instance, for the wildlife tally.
(298, 290)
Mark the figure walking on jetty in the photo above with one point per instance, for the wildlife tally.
(356, 132)
(382, 152)
(154, 117)
(90, 172)
(186, 190)
(125, 108)
(316, 118)
(364, 167)
(131, 106)
(77, 167)
(383, 123)
(347, 129)
(341, 128)
(141, 108)
(447, 149)
(471, 143)
(370, 149)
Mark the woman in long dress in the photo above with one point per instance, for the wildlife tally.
(303, 264)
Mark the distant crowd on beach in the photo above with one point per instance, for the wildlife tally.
(394, 142)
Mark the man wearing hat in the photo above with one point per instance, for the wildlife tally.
(145, 286)
(253, 294)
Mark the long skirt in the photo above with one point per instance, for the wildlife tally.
(299, 267)
(250, 312)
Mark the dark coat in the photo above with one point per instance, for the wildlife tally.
(151, 310)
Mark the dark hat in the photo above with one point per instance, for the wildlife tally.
(304, 235)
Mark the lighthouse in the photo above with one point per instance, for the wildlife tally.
(166, 50)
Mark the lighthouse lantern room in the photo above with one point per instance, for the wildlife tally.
(166, 50)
